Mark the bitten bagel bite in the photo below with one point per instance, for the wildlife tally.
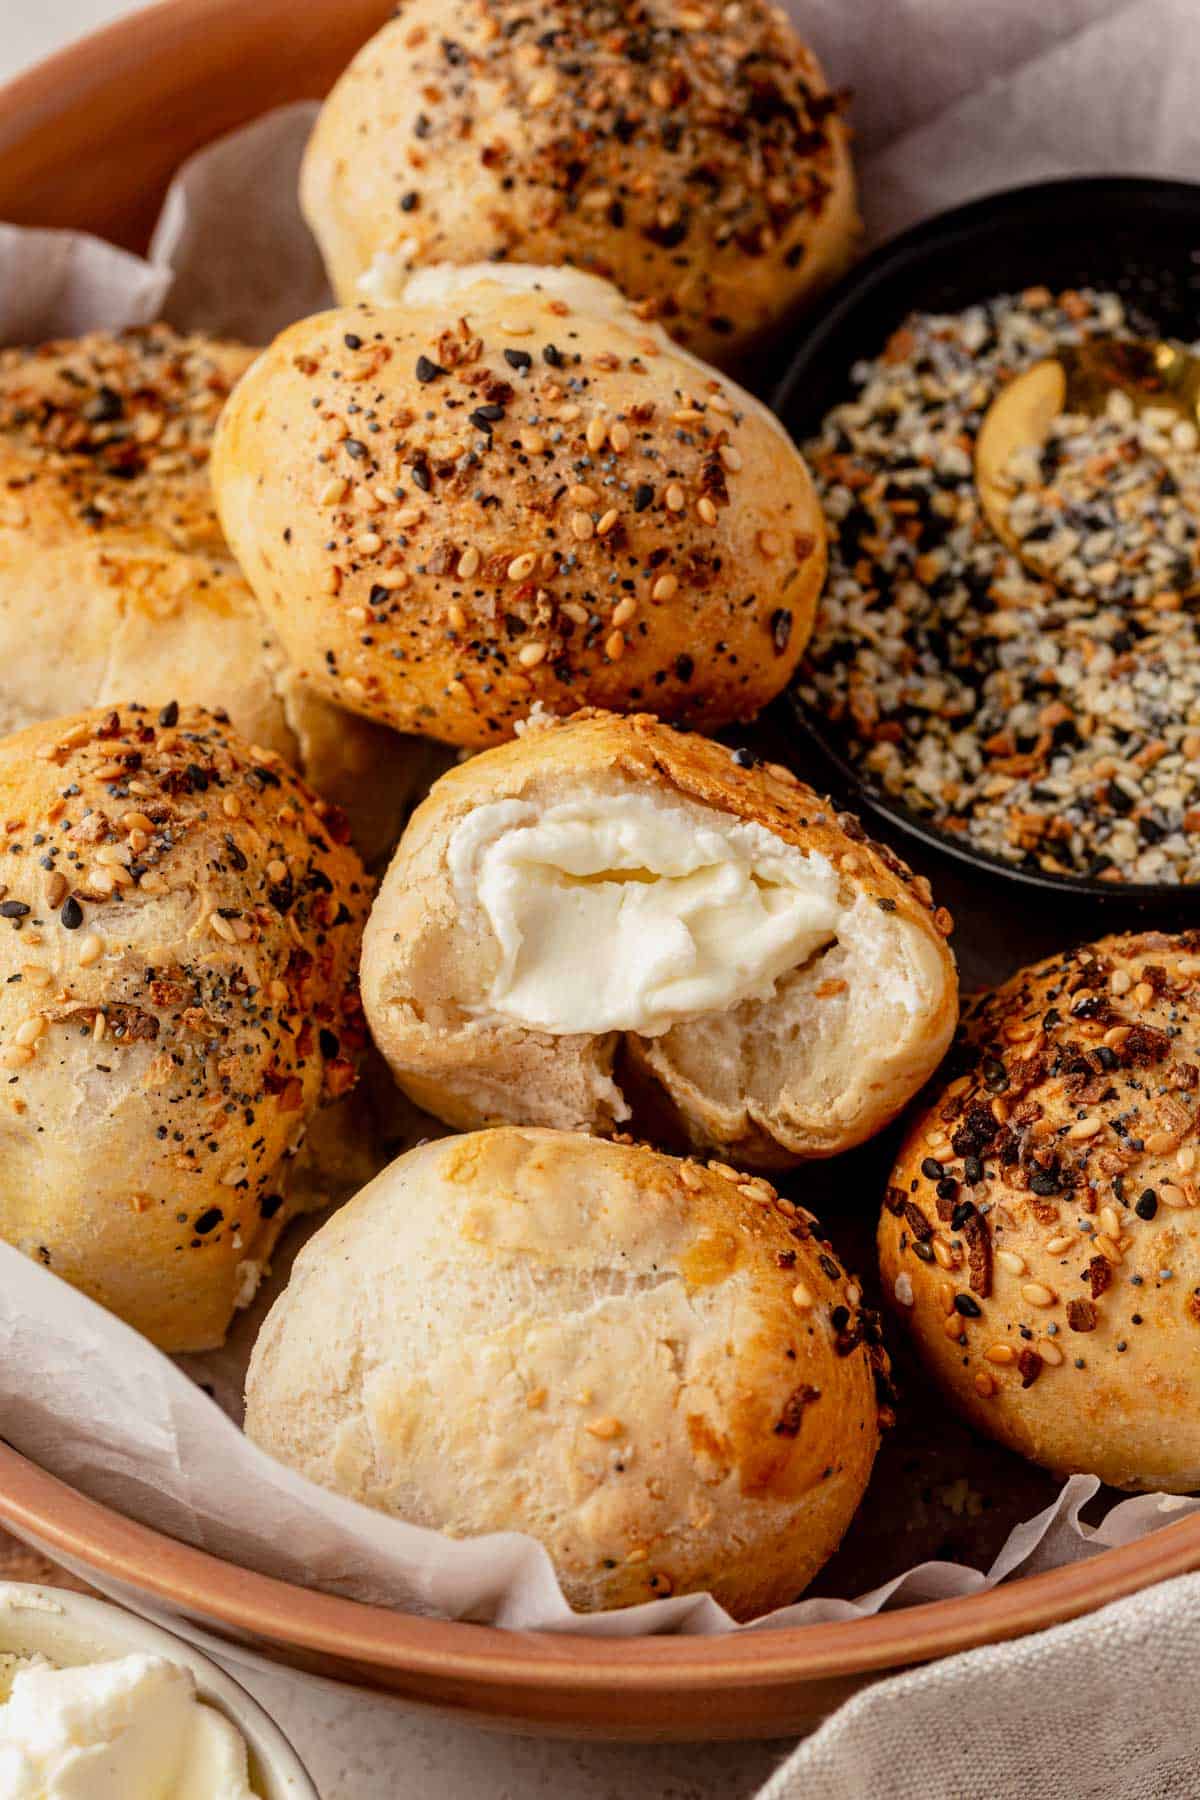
(1041, 1237)
(115, 578)
(656, 1369)
(510, 490)
(695, 157)
(608, 910)
(178, 937)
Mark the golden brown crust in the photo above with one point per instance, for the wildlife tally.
(115, 579)
(696, 158)
(1052, 1195)
(179, 927)
(458, 508)
(419, 962)
(659, 1369)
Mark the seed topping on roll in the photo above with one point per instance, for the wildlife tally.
(1041, 1233)
(179, 928)
(511, 490)
(694, 155)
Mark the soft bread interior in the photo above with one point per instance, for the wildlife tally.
(804, 1069)
(779, 1013)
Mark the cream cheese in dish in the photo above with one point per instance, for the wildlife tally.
(130, 1729)
(618, 913)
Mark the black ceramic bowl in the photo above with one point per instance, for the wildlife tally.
(1138, 238)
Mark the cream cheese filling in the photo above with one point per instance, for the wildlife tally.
(622, 913)
(129, 1729)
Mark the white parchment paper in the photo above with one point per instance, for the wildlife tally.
(954, 101)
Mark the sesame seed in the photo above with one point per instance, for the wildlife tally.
(16, 1056)
(674, 497)
(597, 431)
(91, 949)
(530, 655)
(521, 567)
(707, 510)
(581, 526)
(614, 646)
(618, 436)
(665, 588)
(1037, 1294)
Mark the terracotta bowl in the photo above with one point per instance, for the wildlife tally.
(90, 140)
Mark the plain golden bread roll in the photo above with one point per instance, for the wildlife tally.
(179, 929)
(115, 578)
(510, 490)
(1041, 1238)
(608, 909)
(694, 155)
(658, 1370)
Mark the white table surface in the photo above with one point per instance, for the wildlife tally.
(365, 1749)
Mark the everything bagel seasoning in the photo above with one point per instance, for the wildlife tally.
(1055, 725)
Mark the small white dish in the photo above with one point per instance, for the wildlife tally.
(70, 1629)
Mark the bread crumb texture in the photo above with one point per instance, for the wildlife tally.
(820, 1061)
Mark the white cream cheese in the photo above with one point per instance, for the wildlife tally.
(621, 913)
(131, 1729)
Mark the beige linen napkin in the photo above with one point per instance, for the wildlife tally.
(1104, 1708)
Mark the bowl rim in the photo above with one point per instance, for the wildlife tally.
(112, 1631)
(957, 227)
(60, 1519)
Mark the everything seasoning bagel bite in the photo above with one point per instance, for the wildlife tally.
(693, 154)
(610, 917)
(115, 578)
(510, 490)
(1041, 1235)
(659, 1370)
(179, 931)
